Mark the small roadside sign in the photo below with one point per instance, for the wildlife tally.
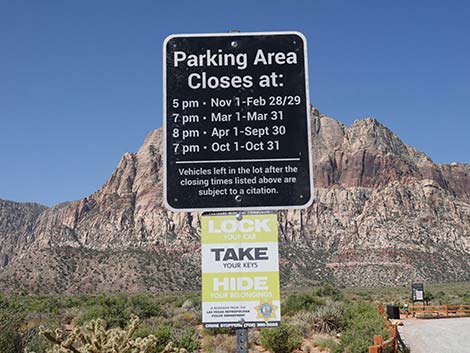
(240, 271)
(236, 121)
(417, 292)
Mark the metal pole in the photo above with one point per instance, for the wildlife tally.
(242, 340)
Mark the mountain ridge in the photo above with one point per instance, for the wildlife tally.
(381, 208)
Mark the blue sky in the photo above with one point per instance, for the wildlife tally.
(80, 81)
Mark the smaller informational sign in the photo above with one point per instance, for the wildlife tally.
(417, 292)
(240, 271)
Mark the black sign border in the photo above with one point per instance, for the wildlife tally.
(307, 102)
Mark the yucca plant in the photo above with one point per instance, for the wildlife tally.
(328, 318)
(304, 321)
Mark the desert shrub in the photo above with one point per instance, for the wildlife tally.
(177, 301)
(191, 304)
(10, 340)
(171, 332)
(325, 318)
(465, 298)
(189, 317)
(162, 333)
(41, 304)
(32, 338)
(328, 318)
(37, 343)
(116, 310)
(361, 321)
(188, 339)
(191, 311)
(254, 338)
(112, 309)
(296, 302)
(20, 318)
(113, 315)
(304, 321)
(282, 339)
(428, 297)
(324, 343)
(329, 290)
(144, 307)
(12, 315)
(219, 344)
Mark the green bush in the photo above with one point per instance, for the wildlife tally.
(329, 290)
(428, 297)
(12, 315)
(282, 339)
(323, 343)
(114, 315)
(162, 332)
(144, 307)
(36, 342)
(361, 322)
(465, 298)
(296, 302)
(181, 337)
(327, 318)
(116, 310)
(187, 339)
(10, 340)
(304, 321)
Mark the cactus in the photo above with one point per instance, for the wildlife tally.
(170, 348)
(94, 337)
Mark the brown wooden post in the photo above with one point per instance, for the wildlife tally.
(373, 349)
(378, 340)
(446, 307)
(395, 338)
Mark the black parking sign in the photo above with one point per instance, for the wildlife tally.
(236, 120)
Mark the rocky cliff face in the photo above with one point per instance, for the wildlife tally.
(16, 222)
(384, 213)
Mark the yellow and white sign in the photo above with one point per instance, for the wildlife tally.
(240, 271)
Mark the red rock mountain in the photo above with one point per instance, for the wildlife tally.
(383, 214)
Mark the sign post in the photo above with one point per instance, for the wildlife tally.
(236, 117)
(237, 139)
(242, 340)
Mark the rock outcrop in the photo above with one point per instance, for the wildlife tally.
(16, 223)
(383, 214)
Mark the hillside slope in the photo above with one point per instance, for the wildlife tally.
(383, 213)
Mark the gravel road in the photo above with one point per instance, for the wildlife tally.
(437, 336)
